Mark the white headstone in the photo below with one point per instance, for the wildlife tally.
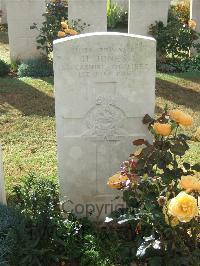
(21, 14)
(104, 85)
(3, 17)
(195, 13)
(143, 13)
(2, 184)
(92, 12)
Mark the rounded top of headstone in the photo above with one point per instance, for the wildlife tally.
(108, 34)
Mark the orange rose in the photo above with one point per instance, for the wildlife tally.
(61, 34)
(181, 118)
(72, 32)
(117, 181)
(192, 24)
(162, 129)
(64, 25)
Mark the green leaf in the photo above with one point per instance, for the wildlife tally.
(196, 167)
(186, 166)
(178, 149)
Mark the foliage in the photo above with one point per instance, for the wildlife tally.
(175, 40)
(14, 65)
(35, 68)
(4, 68)
(157, 206)
(187, 64)
(8, 221)
(180, 11)
(115, 15)
(56, 12)
(4, 28)
(46, 235)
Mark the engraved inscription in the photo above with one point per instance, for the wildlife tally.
(122, 61)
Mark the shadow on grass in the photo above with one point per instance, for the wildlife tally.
(25, 98)
(178, 94)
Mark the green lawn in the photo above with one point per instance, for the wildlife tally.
(27, 120)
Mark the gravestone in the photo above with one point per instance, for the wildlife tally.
(3, 14)
(195, 13)
(21, 14)
(2, 185)
(143, 13)
(91, 12)
(104, 85)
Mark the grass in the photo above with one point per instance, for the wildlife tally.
(27, 120)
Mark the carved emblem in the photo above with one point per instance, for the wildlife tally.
(105, 119)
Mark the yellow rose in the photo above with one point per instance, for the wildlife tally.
(61, 34)
(197, 134)
(183, 207)
(190, 183)
(181, 118)
(162, 129)
(64, 25)
(192, 24)
(117, 181)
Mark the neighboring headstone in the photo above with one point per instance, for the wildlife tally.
(3, 12)
(195, 13)
(104, 85)
(92, 12)
(2, 184)
(143, 13)
(21, 14)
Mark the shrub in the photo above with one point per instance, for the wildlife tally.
(191, 64)
(175, 40)
(162, 194)
(4, 68)
(14, 65)
(115, 15)
(8, 240)
(56, 12)
(180, 12)
(35, 68)
(47, 236)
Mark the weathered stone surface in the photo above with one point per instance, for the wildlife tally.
(2, 185)
(3, 17)
(104, 85)
(92, 12)
(21, 14)
(143, 13)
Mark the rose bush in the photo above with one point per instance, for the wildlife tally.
(161, 192)
(55, 25)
